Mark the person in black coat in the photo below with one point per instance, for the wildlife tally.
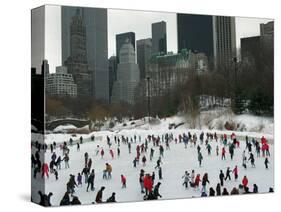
(33, 161)
(37, 155)
(218, 189)
(91, 180)
(153, 177)
(58, 162)
(99, 195)
(252, 160)
(266, 162)
(225, 192)
(75, 201)
(52, 148)
(150, 196)
(111, 198)
(227, 174)
(56, 174)
(160, 173)
(212, 192)
(156, 191)
(221, 176)
(37, 168)
(78, 146)
(45, 200)
(205, 180)
(65, 200)
(255, 189)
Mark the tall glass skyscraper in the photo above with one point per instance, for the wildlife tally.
(121, 40)
(195, 32)
(213, 35)
(144, 48)
(159, 37)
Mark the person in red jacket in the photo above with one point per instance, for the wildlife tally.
(111, 153)
(123, 181)
(45, 170)
(147, 183)
(232, 136)
(224, 136)
(235, 172)
(223, 153)
(197, 181)
(245, 181)
(263, 140)
(266, 147)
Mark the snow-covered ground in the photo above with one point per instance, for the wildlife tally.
(250, 125)
(64, 128)
(176, 161)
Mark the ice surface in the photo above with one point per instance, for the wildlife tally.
(176, 161)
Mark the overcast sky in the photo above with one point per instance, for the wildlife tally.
(120, 21)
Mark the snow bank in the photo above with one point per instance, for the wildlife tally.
(64, 128)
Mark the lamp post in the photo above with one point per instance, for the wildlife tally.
(148, 97)
(235, 81)
(235, 71)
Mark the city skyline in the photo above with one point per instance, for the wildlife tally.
(245, 27)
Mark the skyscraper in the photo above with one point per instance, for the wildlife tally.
(45, 67)
(159, 37)
(213, 35)
(60, 83)
(121, 39)
(128, 76)
(195, 32)
(224, 40)
(250, 49)
(112, 65)
(38, 37)
(267, 29)
(77, 63)
(95, 21)
(267, 36)
(144, 52)
(259, 50)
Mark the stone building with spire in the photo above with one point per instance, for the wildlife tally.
(76, 63)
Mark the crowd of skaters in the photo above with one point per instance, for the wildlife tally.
(148, 187)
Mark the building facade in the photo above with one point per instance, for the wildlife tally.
(38, 98)
(168, 71)
(121, 40)
(214, 36)
(267, 29)
(45, 67)
(250, 49)
(159, 37)
(144, 52)
(128, 76)
(112, 65)
(195, 32)
(257, 49)
(77, 63)
(224, 41)
(61, 83)
(95, 23)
